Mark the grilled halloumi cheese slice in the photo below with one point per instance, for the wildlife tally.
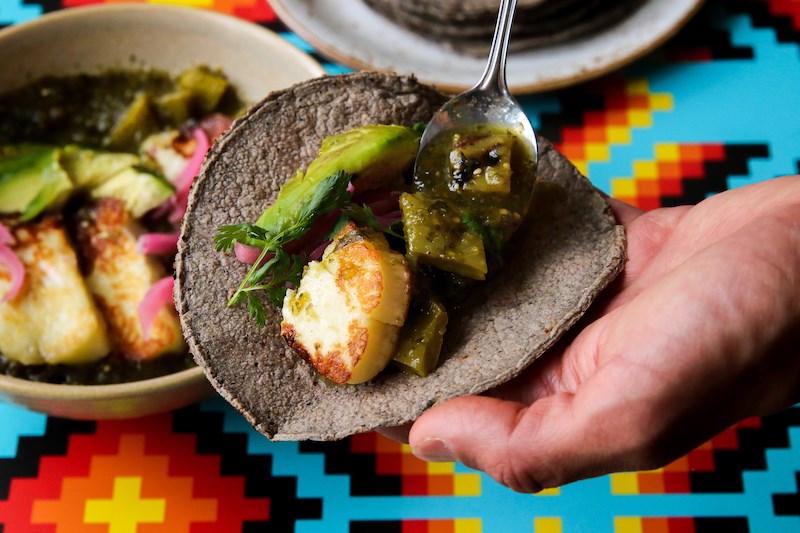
(345, 316)
(53, 319)
(118, 277)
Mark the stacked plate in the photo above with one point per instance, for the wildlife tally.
(467, 25)
(587, 38)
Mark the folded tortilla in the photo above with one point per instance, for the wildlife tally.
(566, 252)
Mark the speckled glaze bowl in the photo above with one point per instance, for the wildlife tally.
(94, 39)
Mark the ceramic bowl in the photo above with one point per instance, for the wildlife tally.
(95, 39)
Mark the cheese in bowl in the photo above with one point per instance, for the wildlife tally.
(94, 175)
(95, 40)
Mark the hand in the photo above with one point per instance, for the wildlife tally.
(701, 330)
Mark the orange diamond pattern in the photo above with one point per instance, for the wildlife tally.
(629, 104)
(130, 476)
(664, 175)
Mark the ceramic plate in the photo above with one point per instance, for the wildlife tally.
(350, 32)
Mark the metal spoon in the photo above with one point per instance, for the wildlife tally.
(489, 101)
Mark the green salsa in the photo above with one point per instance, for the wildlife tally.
(472, 190)
(113, 110)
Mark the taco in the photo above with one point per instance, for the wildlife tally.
(567, 250)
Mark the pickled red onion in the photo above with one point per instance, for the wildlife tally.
(159, 295)
(215, 125)
(158, 243)
(10, 260)
(316, 253)
(180, 202)
(387, 204)
(6, 237)
(248, 254)
(388, 219)
(184, 181)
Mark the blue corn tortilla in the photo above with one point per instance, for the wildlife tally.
(573, 249)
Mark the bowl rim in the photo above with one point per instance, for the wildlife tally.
(14, 387)
(23, 387)
(97, 10)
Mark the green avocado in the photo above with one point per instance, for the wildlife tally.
(90, 168)
(134, 125)
(206, 87)
(32, 180)
(373, 153)
(118, 175)
(36, 178)
(140, 189)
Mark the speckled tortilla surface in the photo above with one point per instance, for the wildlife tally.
(468, 27)
(567, 251)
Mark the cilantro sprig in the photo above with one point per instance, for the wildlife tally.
(275, 268)
(363, 216)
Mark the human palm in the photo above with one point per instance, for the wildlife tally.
(701, 330)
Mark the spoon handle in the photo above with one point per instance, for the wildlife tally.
(494, 76)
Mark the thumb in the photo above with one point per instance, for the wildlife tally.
(525, 447)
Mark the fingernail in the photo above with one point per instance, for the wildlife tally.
(433, 450)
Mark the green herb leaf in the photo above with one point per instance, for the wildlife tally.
(419, 127)
(337, 226)
(362, 215)
(228, 236)
(275, 268)
(256, 308)
(329, 195)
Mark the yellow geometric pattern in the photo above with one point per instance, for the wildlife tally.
(665, 174)
(547, 525)
(467, 525)
(629, 105)
(627, 524)
(625, 483)
(126, 509)
(464, 483)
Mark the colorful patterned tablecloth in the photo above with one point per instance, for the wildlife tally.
(717, 107)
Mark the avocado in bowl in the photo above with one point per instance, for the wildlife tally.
(95, 190)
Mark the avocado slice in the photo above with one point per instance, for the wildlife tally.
(116, 175)
(135, 123)
(206, 86)
(89, 168)
(373, 153)
(140, 190)
(32, 180)
(174, 108)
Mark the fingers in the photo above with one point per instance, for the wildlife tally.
(625, 213)
(396, 433)
(526, 448)
(476, 431)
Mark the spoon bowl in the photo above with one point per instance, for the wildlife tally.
(488, 102)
